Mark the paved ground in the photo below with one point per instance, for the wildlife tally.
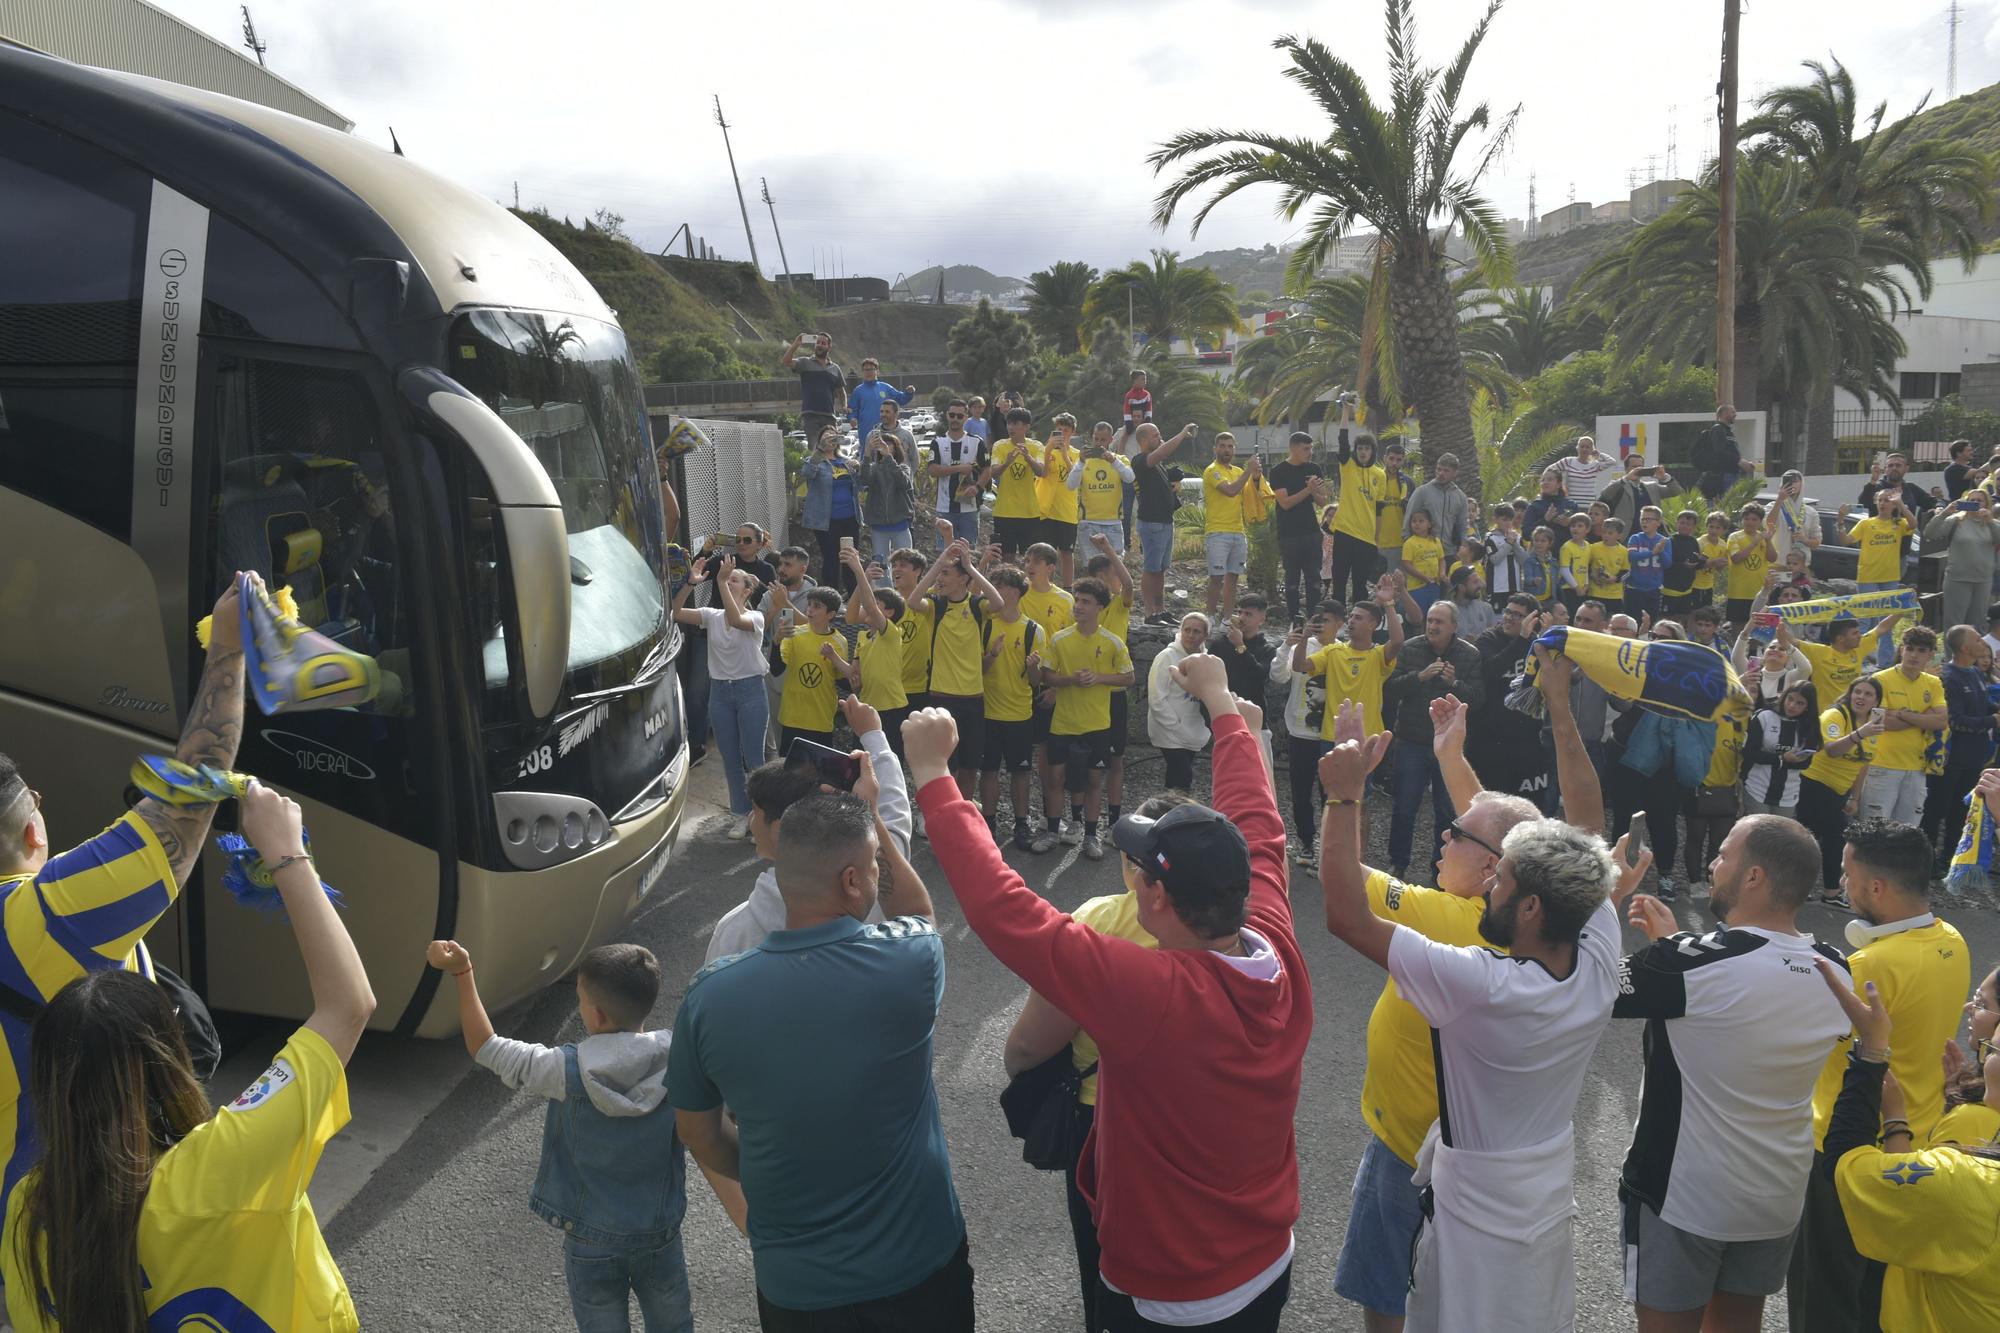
(440, 1236)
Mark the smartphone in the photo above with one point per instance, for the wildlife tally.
(1876, 714)
(1635, 836)
(847, 543)
(1968, 505)
(1298, 623)
(836, 768)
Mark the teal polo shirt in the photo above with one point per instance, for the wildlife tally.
(820, 1042)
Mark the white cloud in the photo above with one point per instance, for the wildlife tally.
(1012, 133)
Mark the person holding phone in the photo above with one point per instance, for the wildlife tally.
(1781, 741)
(1969, 537)
(738, 708)
(832, 504)
(822, 388)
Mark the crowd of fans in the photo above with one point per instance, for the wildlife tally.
(1808, 1121)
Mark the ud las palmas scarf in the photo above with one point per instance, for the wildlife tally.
(1860, 605)
(1674, 677)
(247, 878)
(1972, 860)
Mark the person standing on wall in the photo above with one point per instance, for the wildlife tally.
(822, 389)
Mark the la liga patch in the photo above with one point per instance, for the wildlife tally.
(268, 1085)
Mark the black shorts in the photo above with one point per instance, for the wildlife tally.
(1079, 755)
(1009, 745)
(1121, 721)
(1060, 535)
(1017, 534)
(969, 711)
(1041, 720)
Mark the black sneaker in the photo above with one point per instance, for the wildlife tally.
(1162, 618)
(1838, 898)
(1024, 838)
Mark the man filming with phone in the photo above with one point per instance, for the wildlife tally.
(822, 390)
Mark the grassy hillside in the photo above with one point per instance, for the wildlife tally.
(907, 337)
(960, 278)
(1556, 261)
(1971, 121)
(650, 304)
(1252, 268)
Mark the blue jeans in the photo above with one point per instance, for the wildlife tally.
(602, 1282)
(1885, 651)
(966, 524)
(1157, 541)
(882, 541)
(739, 710)
(1384, 1213)
(1416, 768)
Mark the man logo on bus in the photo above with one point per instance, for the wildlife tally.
(173, 263)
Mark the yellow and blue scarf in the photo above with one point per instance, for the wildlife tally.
(1972, 860)
(247, 878)
(1673, 677)
(1860, 606)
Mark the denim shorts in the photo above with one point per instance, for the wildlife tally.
(1228, 552)
(1115, 530)
(1383, 1215)
(1156, 540)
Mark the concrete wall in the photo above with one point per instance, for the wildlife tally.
(1980, 386)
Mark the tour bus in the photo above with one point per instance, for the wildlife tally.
(231, 339)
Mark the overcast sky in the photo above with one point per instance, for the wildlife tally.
(1013, 133)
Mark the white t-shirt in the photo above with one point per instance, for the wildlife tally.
(733, 654)
(1513, 1043)
(1583, 480)
(1738, 1027)
(1784, 531)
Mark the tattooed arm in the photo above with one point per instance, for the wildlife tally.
(214, 729)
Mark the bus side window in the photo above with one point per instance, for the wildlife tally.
(302, 496)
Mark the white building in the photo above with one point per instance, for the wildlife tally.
(1957, 325)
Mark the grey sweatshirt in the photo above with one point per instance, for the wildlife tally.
(1968, 545)
(624, 1073)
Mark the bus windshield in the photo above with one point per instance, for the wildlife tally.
(565, 385)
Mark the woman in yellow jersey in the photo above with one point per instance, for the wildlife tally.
(1830, 791)
(1354, 516)
(1044, 1032)
(1930, 1213)
(136, 1164)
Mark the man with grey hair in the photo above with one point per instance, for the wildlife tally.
(820, 1041)
(1512, 1035)
(1443, 501)
(1436, 663)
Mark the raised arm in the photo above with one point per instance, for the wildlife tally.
(1343, 773)
(1448, 719)
(1121, 577)
(864, 592)
(791, 353)
(1166, 448)
(1582, 798)
(342, 998)
(213, 730)
(733, 614)
(1243, 790)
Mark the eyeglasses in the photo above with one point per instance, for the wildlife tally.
(1456, 830)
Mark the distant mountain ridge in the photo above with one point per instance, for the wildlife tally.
(961, 278)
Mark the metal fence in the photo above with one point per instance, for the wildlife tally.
(1859, 436)
(741, 479)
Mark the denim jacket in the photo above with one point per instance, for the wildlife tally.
(817, 473)
(613, 1172)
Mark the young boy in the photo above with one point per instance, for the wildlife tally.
(1391, 500)
(1225, 540)
(1714, 556)
(1540, 577)
(1647, 551)
(1059, 502)
(959, 610)
(1017, 507)
(809, 658)
(1599, 511)
(876, 674)
(1704, 626)
(1750, 552)
(1684, 567)
(1046, 603)
(1505, 553)
(1010, 704)
(906, 570)
(613, 1174)
(1357, 668)
(782, 598)
(1138, 402)
(1106, 567)
(1084, 664)
(1609, 563)
(1574, 562)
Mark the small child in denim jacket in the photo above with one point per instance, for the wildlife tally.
(613, 1173)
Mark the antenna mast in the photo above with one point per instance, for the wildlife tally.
(258, 48)
(786, 275)
(741, 207)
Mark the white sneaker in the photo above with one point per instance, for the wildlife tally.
(739, 828)
(1093, 848)
(1304, 856)
(1072, 832)
(1044, 841)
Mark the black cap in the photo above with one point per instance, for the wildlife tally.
(1188, 845)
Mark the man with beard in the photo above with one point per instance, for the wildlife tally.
(1399, 1098)
(1511, 1036)
(1921, 972)
(1735, 1040)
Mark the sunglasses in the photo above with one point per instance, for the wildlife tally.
(1457, 831)
(954, 416)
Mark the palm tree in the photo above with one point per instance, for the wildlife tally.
(1392, 167)
(1812, 311)
(1528, 333)
(1913, 197)
(1055, 303)
(1166, 301)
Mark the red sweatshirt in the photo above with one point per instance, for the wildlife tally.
(1192, 1167)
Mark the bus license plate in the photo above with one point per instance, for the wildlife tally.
(656, 870)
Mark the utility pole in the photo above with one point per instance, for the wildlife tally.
(1725, 232)
(1131, 326)
(1951, 52)
(517, 196)
(258, 48)
(785, 276)
(741, 207)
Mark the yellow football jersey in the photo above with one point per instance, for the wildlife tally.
(1082, 709)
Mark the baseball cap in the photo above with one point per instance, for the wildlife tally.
(1188, 845)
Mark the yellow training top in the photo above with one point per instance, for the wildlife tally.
(1712, 548)
(810, 695)
(1008, 697)
(1879, 544)
(1224, 512)
(1746, 576)
(1058, 501)
(1833, 670)
(1014, 479)
(1083, 709)
(1932, 1217)
(1837, 772)
(1102, 491)
(1923, 976)
(1352, 673)
(1904, 749)
(1052, 608)
(1354, 512)
(881, 659)
(1609, 563)
(1425, 555)
(956, 658)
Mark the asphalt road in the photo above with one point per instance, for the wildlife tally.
(441, 1237)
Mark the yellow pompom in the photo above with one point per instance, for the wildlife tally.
(202, 629)
(288, 606)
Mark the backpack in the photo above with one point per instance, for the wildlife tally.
(204, 1044)
(985, 623)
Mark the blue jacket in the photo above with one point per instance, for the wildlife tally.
(1659, 740)
(864, 406)
(818, 475)
(614, 1180)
